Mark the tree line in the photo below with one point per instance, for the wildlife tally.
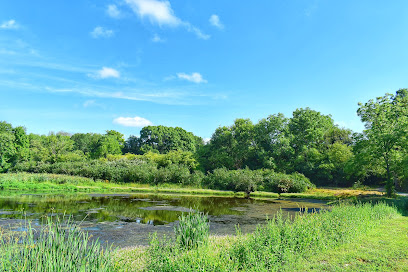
(309, 143)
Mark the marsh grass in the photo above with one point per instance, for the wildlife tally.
(58, 246)
(192, 230)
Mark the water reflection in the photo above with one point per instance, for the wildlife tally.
(152, 209)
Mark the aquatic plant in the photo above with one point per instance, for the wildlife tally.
(192, 230)
(58, 246)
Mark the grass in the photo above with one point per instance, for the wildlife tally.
(65, 183)
(381, 249)
(335, 193)
(59, 246)
(284, 245)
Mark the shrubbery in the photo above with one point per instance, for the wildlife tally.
(134, 170)
(250, 180)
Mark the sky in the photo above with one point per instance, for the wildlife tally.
(91, 66)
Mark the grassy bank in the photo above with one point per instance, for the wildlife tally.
(65, 183)
(285, 245)
(383, 248)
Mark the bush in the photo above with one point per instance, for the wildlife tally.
(192, 230)
(284, 183)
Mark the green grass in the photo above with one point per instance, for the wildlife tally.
(281, 245)
(383, 248)
(65, 183)
(59, 246)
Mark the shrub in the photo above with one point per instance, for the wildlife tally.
(285, 183)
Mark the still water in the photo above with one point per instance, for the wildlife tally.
(128, 219)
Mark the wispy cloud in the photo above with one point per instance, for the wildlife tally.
(10, 24)
(132, 121)
(105, 72)
(215, 21)
(113, 11)
(92, 103)
(101, 32)
(156, 38)
(194, 77)
(161, 13)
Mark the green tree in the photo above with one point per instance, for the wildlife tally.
(21, 144)
(87, 143)
(232, 147)
(272, 140)
(166, 139)
(7, 150)
(58, 145)
(386, 128)
(110, 143)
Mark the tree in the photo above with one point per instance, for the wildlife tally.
(21, 144)
(272, 139)
(386, 123)
(110, 143)
(87, 143)
(166, 139)
(232, 147)
(58, 145)
(7, 150)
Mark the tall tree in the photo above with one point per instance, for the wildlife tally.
(165, 139)
(386, 128)
(272, 140)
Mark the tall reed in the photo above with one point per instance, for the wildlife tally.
(56, 247)
(192, 230)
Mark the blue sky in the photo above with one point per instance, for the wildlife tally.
(89, 66)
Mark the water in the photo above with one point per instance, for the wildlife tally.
(128, 219)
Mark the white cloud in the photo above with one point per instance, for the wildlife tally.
(161, 13)
(215, 21)
(10, 24)
(106, 72)
(100, 32)
(113, 11)
(132, 121)
(156, 38)
(194, 77)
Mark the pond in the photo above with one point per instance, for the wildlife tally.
(129, 219)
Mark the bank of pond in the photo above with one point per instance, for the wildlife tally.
(277, 244)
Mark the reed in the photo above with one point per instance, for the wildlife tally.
(59, 246)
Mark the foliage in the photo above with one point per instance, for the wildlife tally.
(283, 183)
(386, 123)
(192, 230)
(164, 139)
